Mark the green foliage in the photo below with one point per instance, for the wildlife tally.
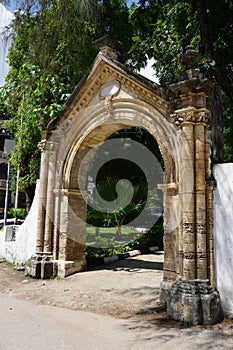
(51, 52)
(16, 213)
(130, 201)
(94, 252)
(132, 195)
(9, 264)
(115, 21)
(152, 238)
(228, 129)
(162, 29)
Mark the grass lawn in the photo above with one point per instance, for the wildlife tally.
(106, 236)
(104, 242)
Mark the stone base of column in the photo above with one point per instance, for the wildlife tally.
(64, 268)
(39, 266)
(192, 302)
(43, 266)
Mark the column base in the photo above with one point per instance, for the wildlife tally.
(43, 266)
(64, 268)
(193, 302)
(39, 266)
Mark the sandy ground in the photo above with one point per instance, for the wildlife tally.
(123, 289)
(109, 307)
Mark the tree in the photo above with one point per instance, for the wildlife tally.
(51, 51)
(123, 186)
(125, 204)
(164, 28)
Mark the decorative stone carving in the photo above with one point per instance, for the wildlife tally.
(191, 115)
(128, 83)
(190, 57)
(108, 103)
(120, 98)
(42, 145)
(45, 145)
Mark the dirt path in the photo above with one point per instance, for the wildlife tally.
(123, 289)
(126, 289)
(25, 326)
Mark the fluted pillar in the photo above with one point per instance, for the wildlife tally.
(200, 189)
(56, 226)
(48, 232)
(188, 200)
(42, 196)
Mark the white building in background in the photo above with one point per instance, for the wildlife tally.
(5, 19)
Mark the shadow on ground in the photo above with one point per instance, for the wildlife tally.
(130, 265)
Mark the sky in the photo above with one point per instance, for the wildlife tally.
(14, 5)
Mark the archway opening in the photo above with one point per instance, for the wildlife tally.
(125, 207)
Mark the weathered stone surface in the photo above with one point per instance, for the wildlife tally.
(33, 267)
(192, 302)
(67, 268)
(178, 117)
(39, 266)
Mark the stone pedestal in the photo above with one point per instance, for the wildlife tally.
(64, 268)
(39, 266)
(43, 266)
(193, 302)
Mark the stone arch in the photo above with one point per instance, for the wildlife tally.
(126, 114)
(178, 118)
(97, 129)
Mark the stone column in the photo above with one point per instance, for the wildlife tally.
(171, 225)
(42, 196)
(72, 233)
(56, 227)
(192, 297)
(200, 189)
(188, 200)
(48, 232)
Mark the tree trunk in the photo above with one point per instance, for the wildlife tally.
(29, 195)
(220, 75)
(118, 231)
(119, 226)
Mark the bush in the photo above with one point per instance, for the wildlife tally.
(18, 214)
(152, 238)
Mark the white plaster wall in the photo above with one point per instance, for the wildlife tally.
(24, 246)
(223, 234)
(2, 239)
(26, 235)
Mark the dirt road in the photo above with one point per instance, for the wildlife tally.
(122, 289)
(110, 308)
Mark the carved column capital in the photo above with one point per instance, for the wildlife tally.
(45, 145)
(42, 145)
(190, 115)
